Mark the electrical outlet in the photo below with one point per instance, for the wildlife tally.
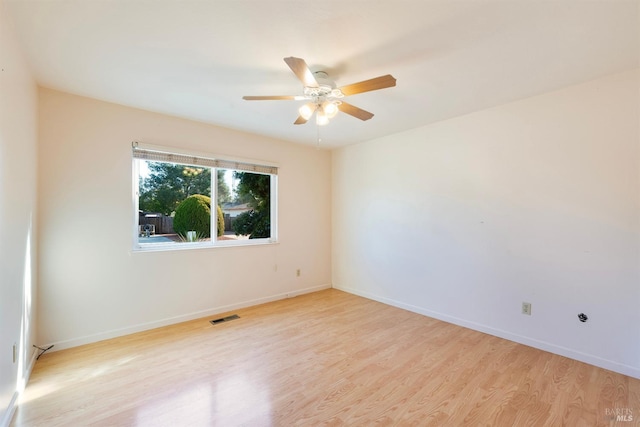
(526, 308)
(298, 273)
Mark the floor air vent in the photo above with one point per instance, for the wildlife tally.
(224, 319)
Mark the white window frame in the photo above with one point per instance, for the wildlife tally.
(207, 160)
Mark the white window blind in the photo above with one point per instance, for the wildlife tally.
(185, 159)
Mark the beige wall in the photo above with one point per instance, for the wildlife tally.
(18, 133)
(93, 286)
(535, 201)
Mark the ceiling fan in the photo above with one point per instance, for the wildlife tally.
(324, 98)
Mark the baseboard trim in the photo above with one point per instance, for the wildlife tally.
(531, 342)
(88, 339)
(10, 410)
(15, 399)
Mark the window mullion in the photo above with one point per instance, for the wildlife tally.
(214, 206)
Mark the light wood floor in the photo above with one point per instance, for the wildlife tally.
(327, 358)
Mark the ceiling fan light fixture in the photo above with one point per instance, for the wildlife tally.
(330, 109)
(306, 111)
(321, 118)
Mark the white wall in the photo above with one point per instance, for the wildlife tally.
(92, 286)
(18, 109)
(534, 201)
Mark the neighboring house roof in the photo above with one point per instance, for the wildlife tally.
(230, 207)
(150, 214)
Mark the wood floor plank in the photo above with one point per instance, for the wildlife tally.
(327, 358)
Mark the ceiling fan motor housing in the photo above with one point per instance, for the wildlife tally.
(323, 79)
(326, 88)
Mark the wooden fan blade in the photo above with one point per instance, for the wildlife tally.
(267, 98)
(300, 121)
(381, 82)
(354, 111)
(302, 71)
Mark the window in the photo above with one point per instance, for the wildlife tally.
(187, 201)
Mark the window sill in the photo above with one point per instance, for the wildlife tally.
(164, 247)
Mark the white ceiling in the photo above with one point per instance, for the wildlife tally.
(196, 59)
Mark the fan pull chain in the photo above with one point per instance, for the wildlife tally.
(318, 137)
